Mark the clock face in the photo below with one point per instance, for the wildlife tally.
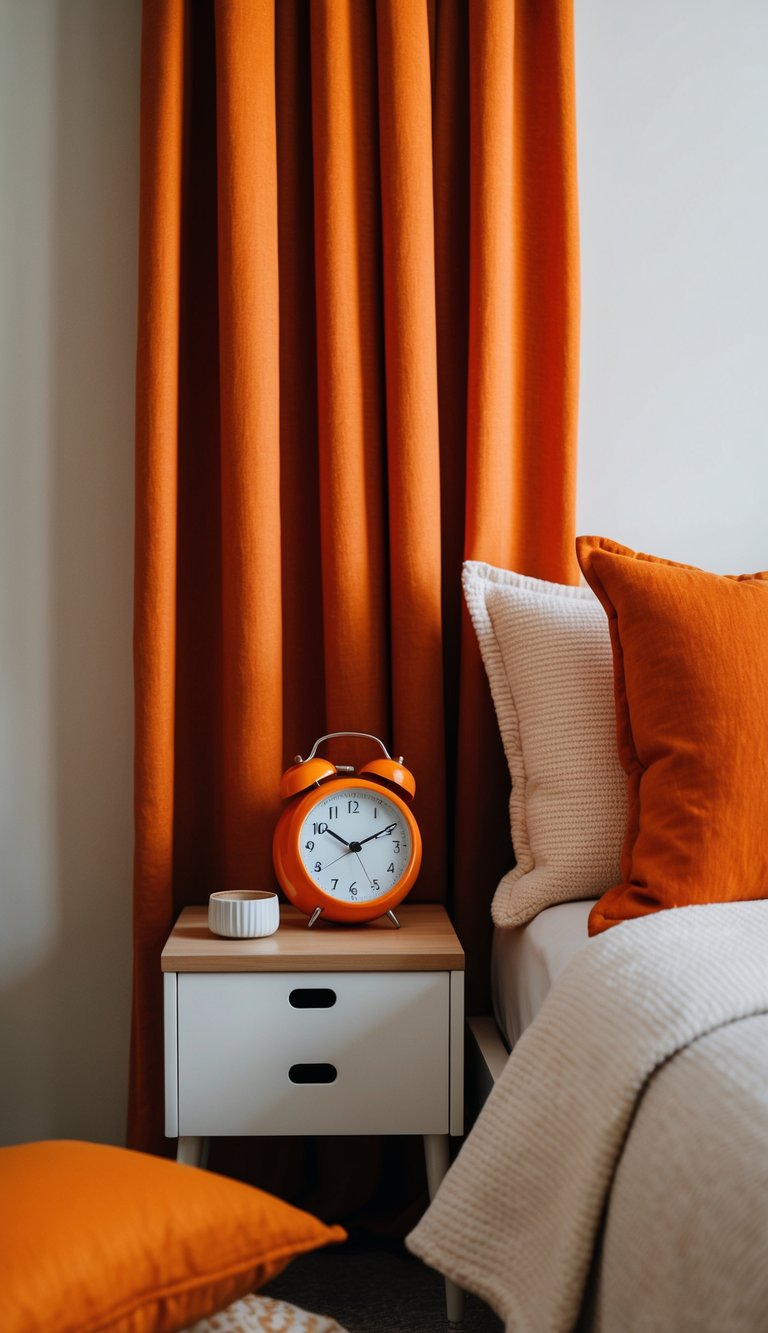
(355, 844)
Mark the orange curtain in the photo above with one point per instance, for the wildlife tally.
(357, 364)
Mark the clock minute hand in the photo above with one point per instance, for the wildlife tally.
(380, 834)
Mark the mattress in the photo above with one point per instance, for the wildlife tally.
(527, 960)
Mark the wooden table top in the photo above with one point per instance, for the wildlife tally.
(426, 942)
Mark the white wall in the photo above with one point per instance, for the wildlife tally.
(68, 228)
(673, 122)
(673, 167)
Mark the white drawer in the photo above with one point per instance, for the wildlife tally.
(240, 1041)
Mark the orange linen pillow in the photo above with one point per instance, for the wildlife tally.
(690, 659)
(99, 1238)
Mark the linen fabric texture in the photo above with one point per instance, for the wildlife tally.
(95, 1238)
(690, 652)
(358, 263)
(547, 653)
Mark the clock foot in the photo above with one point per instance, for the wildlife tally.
(392, 917)
(314, 917)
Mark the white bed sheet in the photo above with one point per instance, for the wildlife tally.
(527, 960)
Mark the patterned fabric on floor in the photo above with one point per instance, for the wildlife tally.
(265, 1314)
(376, 1287)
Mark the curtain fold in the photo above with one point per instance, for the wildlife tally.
(157, 433)
(350, 573)
(357, 365)
(413, 438)
(249, 435)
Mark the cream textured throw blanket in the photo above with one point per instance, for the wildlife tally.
(642, 1086)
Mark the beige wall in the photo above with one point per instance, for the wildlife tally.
(68, 190)
(673, 112)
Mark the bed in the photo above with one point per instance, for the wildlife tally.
(527, 960)
(616, 1177)
(628, 1192)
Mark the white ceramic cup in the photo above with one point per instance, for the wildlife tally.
(243, 915)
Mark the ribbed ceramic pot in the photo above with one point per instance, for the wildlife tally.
(244, 915)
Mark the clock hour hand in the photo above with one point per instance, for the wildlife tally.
(382, 831)
(336, 836)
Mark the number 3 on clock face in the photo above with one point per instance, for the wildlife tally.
(355, 844)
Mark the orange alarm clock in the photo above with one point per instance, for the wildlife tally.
(347, 845)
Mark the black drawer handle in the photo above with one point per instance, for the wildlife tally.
(312, 1074)
(312, 997)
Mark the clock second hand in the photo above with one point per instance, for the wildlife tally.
(365, 872)
(328, 864)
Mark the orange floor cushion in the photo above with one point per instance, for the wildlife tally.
(96, 1238)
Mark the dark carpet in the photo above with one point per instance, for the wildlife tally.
(375, 1288)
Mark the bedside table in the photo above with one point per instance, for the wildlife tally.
(337, 1030)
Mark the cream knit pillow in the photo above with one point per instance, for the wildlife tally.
(547, 652)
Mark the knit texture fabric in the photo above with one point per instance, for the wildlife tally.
(616, 1051)
(547, 652)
